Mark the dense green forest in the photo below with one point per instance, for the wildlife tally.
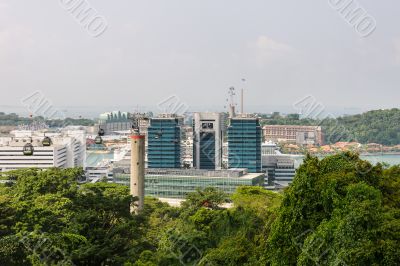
(339, 211)
(15, 120)
(380, 126)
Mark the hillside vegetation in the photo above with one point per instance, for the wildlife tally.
(16, 120)
(339, 211)
(380, 126)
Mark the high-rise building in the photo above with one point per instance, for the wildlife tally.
(244, 143)
(164, 137)
(209, 130)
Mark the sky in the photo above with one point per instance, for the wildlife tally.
(194, 51)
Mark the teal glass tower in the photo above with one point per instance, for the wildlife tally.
(244, 143)
(164, 141)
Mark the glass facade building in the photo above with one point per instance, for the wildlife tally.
(207, 150)
(244, 143)
(164, 137)
(208, 131)
(177, 183)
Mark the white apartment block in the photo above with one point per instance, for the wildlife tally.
(67, 149)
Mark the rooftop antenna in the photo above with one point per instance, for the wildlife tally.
(231, 94)
(242, 98)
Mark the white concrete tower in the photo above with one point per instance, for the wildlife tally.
(137, 170)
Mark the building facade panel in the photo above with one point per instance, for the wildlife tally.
(177, 183)
(244, 144)
(164, 140)
(208, 130)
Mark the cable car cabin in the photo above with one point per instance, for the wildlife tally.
(98, 140)
(158, 135)
(101, 132)
(46, 142)
(28, 149)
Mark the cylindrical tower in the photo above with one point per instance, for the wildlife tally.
(137, 169)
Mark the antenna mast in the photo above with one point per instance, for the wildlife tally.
(242, 98)
(232, 104)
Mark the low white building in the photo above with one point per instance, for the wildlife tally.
(95, 174)
(67, 149)
(279, 168)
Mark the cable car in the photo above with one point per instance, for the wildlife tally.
(158, 134)
(46, 142)
(98, 140)
(28, 149)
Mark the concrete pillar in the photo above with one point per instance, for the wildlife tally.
(137, 170)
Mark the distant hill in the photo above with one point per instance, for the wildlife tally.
(15, 120)
(378, 126)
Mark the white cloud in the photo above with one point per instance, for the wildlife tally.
(268, 45)
(266, 50)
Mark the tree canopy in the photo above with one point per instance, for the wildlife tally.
(15, 120)
(340, 210)
(378, 126)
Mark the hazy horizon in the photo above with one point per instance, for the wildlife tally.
(196, 51)
(93, 112)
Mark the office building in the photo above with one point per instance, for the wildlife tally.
(36, 149)
(244, 143)
(279, 168)
(96, 174)
(269, 148)
(164, 141)
(301, 135)
(209, 130)
(177, 183)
